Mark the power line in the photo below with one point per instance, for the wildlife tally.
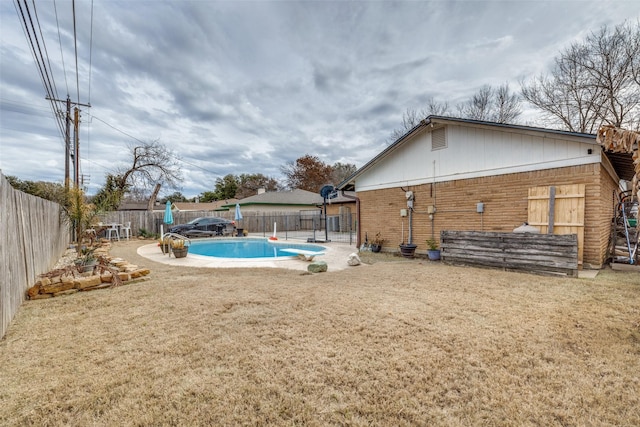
(64, 68)
(89, 89)
(32, 40)
(90, 52)
(142, 142)
(119, 130)
(75, 45)
(53, 82)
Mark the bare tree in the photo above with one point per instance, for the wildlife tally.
(151, 162)
(631, 50)
(411, 117)
(152, 165)
(436, 108)
(342, 171)
(494, 105)
(506, 105)
(592, 82)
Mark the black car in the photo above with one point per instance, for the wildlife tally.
(205, 227)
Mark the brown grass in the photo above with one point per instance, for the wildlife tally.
(391, 344)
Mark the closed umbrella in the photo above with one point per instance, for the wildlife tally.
(238, 217)
(168, 216)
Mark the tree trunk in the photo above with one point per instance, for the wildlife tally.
(152, 198)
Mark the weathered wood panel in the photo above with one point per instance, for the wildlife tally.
(33, 236)
(542, 253)
(559, 210)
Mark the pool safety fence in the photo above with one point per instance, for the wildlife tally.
(310, 225)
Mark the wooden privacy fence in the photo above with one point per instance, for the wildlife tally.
(255, 222)
(252, 221)
(33, 237)
(540, 253)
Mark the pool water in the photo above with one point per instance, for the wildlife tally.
(247, 248)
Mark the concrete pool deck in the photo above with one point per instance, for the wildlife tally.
(335, 255)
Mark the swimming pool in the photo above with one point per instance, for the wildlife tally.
(248, 248)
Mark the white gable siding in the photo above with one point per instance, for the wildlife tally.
(475, 152)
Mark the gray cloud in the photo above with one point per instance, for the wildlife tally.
(245, 87)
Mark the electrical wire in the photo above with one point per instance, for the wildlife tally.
(44, 46)
(32, 40)
(64, 68)
(90, 52)
(142, 142)
(89, 89)
(75, 45)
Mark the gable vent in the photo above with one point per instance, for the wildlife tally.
(438, 139)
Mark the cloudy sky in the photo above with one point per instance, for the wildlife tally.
(247, 86)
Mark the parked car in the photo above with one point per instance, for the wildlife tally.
(205, 227)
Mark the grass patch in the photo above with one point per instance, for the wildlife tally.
(393, 343)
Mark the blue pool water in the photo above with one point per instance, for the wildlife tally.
(247, 248)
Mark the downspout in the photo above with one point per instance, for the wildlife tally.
(357, 215)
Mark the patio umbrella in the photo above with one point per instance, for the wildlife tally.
(168, 216)
(238, 217)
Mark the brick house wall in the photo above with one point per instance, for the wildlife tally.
(505, 199)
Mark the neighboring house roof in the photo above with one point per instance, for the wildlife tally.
(180, 206)
(133, 206)
(295, 197)
(621, 163)
(210, 206)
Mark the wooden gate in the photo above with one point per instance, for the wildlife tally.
(559, 210)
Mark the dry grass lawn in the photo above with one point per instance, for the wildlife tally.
(398, 343)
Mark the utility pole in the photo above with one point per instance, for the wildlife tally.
(76, 149)
(67, 147)
(67, 142)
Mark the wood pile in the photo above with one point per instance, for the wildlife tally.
(69, 279)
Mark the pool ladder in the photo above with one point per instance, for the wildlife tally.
(175, 236)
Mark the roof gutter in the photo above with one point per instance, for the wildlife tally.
(357, 216)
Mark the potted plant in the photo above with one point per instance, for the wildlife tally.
(376, 243)
(408, 249)
(433, 252)
(178, 248)
(164, 244)
(87, 260)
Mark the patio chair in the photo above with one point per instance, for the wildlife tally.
(126, 230)
(113, 229)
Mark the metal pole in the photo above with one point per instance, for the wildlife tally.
(326, 226)
(76, 149)
(67, 146)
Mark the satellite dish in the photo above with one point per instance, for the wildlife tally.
(326, 190)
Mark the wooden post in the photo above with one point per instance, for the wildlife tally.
(552, 208)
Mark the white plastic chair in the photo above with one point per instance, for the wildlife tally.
(113, 229)
(126, 230)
